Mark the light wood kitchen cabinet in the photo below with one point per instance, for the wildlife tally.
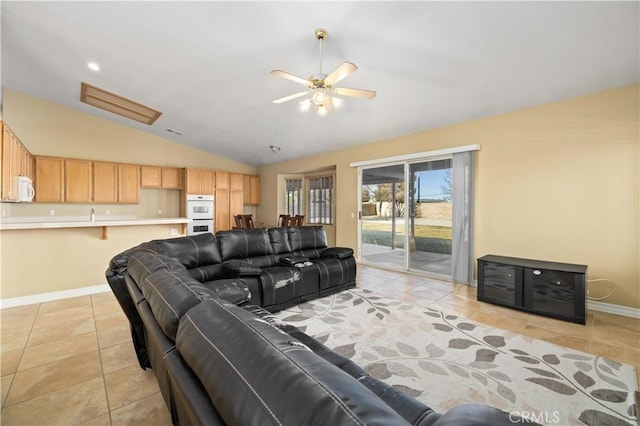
(228, 198)
(251, 193)
(78, 181)
(236, 196)
(200, 181)
(105, 182)
(49, 179)
(16, 161)
(150, 177)
(171, 178)
(223, 219)
(160, 177)
(128, 183)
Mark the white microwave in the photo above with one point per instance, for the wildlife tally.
(25, 190)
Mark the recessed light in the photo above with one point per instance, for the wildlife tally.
(93, 66)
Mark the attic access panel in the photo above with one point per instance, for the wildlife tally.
(116, 104)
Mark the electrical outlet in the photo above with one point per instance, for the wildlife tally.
(174, 231)
(159, 212)
(108, 212)
(52, 212)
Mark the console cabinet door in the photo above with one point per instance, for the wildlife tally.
(128, 183)
(49, 179)
(105, 182)
(78, 181)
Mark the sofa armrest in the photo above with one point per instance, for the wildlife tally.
(241, 268)
(337, 252)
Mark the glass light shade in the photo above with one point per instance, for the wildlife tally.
(322, 110)
(305, 105)
(319, 97)
(336, 102)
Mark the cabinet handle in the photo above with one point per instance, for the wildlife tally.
(537, 272)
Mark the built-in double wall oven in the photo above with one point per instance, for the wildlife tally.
(201, 211)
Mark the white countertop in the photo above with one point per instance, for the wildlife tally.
(73, 222)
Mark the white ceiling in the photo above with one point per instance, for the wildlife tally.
(206, 65)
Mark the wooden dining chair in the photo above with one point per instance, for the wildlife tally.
(298, 219)
(284, 220)
(247, 221)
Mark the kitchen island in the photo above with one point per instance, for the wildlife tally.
(50, 258)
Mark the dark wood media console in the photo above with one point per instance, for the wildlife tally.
(556, 290)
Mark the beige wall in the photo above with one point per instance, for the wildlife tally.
(557, 182)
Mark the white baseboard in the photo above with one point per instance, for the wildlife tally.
(613, 309)
(54, 295)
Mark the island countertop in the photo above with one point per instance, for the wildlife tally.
(19, 223)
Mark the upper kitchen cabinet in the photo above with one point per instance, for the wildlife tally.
(78, 181)
(200, 181)
(251, 193)
(105, 182)
(128, 183)
(160, 177)
(171, 178)
(49, 179)
(16, 161)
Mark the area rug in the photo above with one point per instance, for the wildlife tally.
(445, 360)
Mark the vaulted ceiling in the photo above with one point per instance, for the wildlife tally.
(206, 65)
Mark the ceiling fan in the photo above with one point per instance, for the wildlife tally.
(322, 92)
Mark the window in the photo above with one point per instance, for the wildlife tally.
(321, 200)
(293, 196)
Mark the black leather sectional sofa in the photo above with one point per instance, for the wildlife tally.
(200, 314)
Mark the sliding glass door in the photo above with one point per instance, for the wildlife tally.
(416, 215)
(430, 217)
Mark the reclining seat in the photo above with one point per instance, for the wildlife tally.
(200, 255)
(249, 252)
(336, 266)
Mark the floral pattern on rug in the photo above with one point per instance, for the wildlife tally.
(446, 360)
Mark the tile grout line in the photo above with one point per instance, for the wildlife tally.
(104, 379)
(24, 348)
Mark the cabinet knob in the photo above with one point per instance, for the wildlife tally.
(537, 272)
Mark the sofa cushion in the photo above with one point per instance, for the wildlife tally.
(145, 263)
(307, 237)
(192, 251)
(244, 243)
(170, 295)
(256, 374)
(232, 290)
(279, 238)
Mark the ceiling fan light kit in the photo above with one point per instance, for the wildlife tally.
(321, 93)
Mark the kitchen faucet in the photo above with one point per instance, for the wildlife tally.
(92, 215)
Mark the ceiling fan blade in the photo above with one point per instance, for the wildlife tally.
(291, 77)
(358, 93)
(339, 73)
(288, 98)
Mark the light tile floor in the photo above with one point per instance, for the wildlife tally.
(71, 362)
